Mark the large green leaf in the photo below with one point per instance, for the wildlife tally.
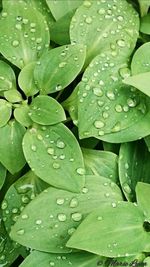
(141, 59)
(140, 81)
(82, 259)
(108, 109)
(19, 195)
(7, 77)
(101, 163)
(134, 167)
(59, 67)
(26, 80)
(5, 112)
(105, 26)
(45, 110)
(11, 154)
(24, 33)
(60, 8)
(53, 153)
(113, 231)
(2, 175)
(142, 194)
(21, 115)
(13, 96)
(59, 214)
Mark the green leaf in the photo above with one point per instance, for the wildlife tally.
(134, 167)
(53, 153)
(144, 6)
(24, 33)
(7, 77)
(5, 112)
(140, 81)
(60, 29)
(99, 28)
(45, 110)
(142, 194)
(59, 67)
(2, 175)
(82, 259)
(8, 252)
(59, 214)
(101, 163)
(21, 115)
(126, 236)
(147, 261)
(141, 59)
(61, 8)
(108, 109)
(11, 154)
(19, 194)
(13, 96)
(26, 80)
(145, 24)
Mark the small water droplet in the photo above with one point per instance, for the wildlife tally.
(101, 133)
(18, 26)
(71, 231)
(131, 102)
(60, 144)
(99, 218)
(97, 91)
(20, 232)
(110, 95)
(120, 18)
(39, 137)
(33, 148)
(114, 205)
(62, 64)
(127, 188)
(4, 14)
(14, 210)
(88, 20)
(101, 11)
(56, 165)
(80, 171)
(116, 128)
(38, 222)
(87, 3)
(60, 201)
(118, 108)
(99, 124)
(121, 43)
(15, 43)
(62, 217)
(85, 190)
(24, 216)
(58, 87)
(4, 205)
(73, 203)
(52, 263)
(50, 150)
(76, 216)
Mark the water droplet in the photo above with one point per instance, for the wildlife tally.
(116, 128)
(110, 95)
(99, 124)
(120, 18)
(62, 217)
(85, 190)
(15, 43)
(105, 115)
(131, 102)
(126, 166)
(38, 222)
(14, 210)
(20, 232)
(118, 108)
(101, 11)
(60, 201)
(76, 216)
(107, 195)
(25, 21)
(60, 144)
(88, 20)
(33, 148)
(80, 171)
(127, 188)
(114, 205)
(4, 14)
(62, 64)
(56, 165)
(100, 103)
(52, 263)
(18, 26)
(101, 133)
(50, 151)
(73, 203)
(25, 199)
(58, 87)
(99, 218)
(39, 137)
(121, 43)
(4, 205)
(97, 91)
(24, 216)
(71, 231)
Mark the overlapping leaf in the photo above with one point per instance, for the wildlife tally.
(59, 214)
(7, 77)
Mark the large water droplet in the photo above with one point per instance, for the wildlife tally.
(62, 217)
(76, 216)
(121, 43)
(99, 124)
(97, 91)
(60, 144)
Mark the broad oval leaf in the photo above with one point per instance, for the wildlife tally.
(61, 8)
(21, 115)
(5, 112)
(11, 154)
(134, 167)
(101, 163)
(59, 67)
(126, 236)
(105, 26)
(142, 194)
(82, 259)
(145, 24)
(19, 194)
(2, 175)
(53, 153)
(141, 58)
(59, 214)
(13, 96)
(108, 109)
(26, 80)
(140, 81)
(24, 33)
(7, 77)
(45, 110)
